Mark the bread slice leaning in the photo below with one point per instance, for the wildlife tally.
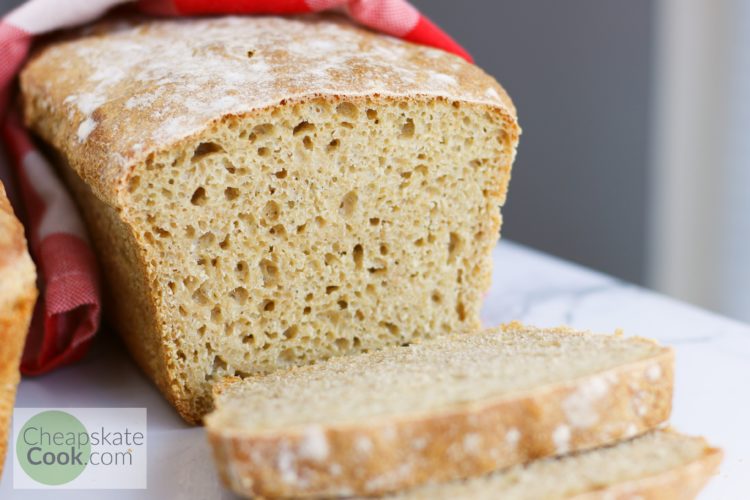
(447, 408)
(17, 297)
(661, 465)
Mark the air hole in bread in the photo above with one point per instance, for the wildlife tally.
(392, 328)
(199, 296)
(358, 255)
(287, 356)
(239, 295)
(271, 211)
(224, 245)
(267, 305)
(349, 203)
(219, 364)
(303, 127)
(199, 197)
(291, 332)
(133, 183)
(263, 129)
(204, 149)
(455, 245)
(216, 314)
(342, 344)
(270, 272)
(206, 240)
(461, 311)
(231, 193)
(330, 259)
(348, 110)
(407, 130)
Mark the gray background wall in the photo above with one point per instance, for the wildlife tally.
(579, 72)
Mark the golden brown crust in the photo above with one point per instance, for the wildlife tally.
(17, 297)
(121, 103)
(277, 465)
(681, 483)
(12, 239)
(123, 260)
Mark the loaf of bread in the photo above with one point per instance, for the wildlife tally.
(446, 408)
(17, 298)
(662, 465)
(267, 192)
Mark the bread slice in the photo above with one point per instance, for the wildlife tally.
(265, 192)
(443, 409)
(661, 465)
(17, 297)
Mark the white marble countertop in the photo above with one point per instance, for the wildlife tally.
(712, 397)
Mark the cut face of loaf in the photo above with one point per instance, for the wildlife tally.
(439, 410)
(662, 465)
(269, 192)
(318, 229)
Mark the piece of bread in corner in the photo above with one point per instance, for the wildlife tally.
(264, 192)
(443, 409)
(662, 465)
(17, 298)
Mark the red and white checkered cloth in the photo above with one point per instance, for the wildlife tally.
(67, 316)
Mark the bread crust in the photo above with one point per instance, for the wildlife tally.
(276, 464)
(680, 483)
(17, 298)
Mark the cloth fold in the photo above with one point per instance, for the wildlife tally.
(67, 314)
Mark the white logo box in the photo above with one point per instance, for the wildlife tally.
(110, 426)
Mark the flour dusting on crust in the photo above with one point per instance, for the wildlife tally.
(141, 85)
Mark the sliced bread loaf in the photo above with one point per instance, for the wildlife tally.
(17, 297)
(661, 465)
(265, 192)
(446, 408)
